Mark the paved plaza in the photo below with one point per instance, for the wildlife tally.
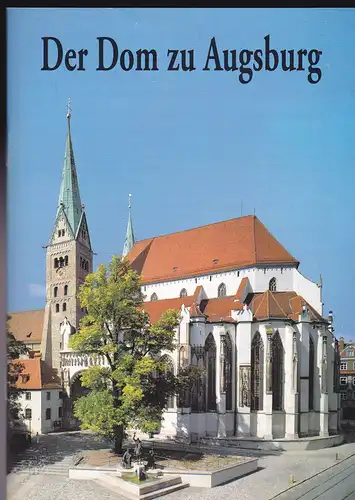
(42, 474)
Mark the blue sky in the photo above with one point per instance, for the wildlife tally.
(191, 147)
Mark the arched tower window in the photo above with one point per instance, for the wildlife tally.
(257, 372)
(210, 348)
(154, 296)
(169, 369)
(66, 260)
(57, 308)
(272, 285)
(183, 293)
(56, 263)
(64, 306)
(311, 374)
(222, 291)
(277, 356)
(65, 289)
(55, 291)
(228, 372)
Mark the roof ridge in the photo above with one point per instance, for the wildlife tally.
(196, 227)
(277, 303)
(26, 310)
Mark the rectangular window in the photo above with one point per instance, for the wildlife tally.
(343, 366)
(60, 394)
(342, 380)
(28, 396)
(354, 365)
(48, 396)
(60, 412)
(28, 414)
(353, 380)
(48, 414)
(351, 354)
(343, 396)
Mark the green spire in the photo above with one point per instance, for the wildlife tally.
(69, 196)
(129, 240)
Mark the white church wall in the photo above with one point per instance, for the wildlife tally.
(210, 283)
(307, 289)
(260, 279)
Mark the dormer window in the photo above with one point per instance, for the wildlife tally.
(183, 293)
(154, 296)
(272, 285)
(63, 232)
(222, 291)
(25, 378)
(59, 233)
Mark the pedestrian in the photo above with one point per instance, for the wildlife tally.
(37, 438)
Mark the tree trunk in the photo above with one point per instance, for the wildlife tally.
(118, 439)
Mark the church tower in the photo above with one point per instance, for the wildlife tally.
(69, 258)
(129, 239)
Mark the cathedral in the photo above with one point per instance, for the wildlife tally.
(249, 318)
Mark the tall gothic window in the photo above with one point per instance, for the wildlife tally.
(56, 263)
(257, 372)
(228, 372)
(210, 348)
(154, 296)
(311, 375)
(277, 356)
(183, 293)
(55, 291)
(169, 369)
(272, 285)
(64, 307)
(65, 289)
(198, 390)
(222, 291)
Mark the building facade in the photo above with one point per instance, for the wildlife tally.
(347, 379)
(41, 397)
(249, 318)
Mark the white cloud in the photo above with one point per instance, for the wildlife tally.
(36, 290)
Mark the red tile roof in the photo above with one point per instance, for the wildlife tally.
(220, 309)
(155, 308)
(27, 325)
(40, 375)
(221, 246)
(280, 305)
(267, 305)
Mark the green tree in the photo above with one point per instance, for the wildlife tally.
(132, 391)
(15, 349)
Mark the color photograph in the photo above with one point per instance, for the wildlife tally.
(179, 201)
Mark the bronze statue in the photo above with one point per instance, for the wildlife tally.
(127, 459)
(151, 459)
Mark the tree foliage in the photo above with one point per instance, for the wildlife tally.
(133, 389)
(15, 349)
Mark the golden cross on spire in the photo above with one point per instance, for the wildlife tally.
(68, 109)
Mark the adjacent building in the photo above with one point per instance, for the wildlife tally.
(347, 379)
(41, 396)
